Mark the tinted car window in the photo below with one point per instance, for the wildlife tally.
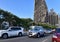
(15, 28)
(18, 28)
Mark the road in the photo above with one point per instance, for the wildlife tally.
(46, 38)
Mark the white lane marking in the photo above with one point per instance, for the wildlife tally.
(45, 40)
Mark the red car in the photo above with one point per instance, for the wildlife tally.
(56, 36)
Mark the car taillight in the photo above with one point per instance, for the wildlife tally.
(54, 36)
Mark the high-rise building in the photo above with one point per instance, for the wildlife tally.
(58, 25)
(40, 11)
(52, 17)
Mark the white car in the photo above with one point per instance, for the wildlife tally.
(11, 31)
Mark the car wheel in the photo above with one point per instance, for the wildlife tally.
(43, 34)
(4, 36)
(38, 35)
(20, 34)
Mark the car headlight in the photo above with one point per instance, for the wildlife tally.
(33, 33)
(54, 36)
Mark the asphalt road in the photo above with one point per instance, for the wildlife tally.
(46, 38)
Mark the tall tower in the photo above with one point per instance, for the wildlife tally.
(52, 17)
(40, 11)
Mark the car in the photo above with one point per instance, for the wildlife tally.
(11, 31)
(56, 36)
(48, 31)
(36, 31)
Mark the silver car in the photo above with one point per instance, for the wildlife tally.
(36, 31)
(48, 31)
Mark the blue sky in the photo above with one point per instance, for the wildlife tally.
(25, 8)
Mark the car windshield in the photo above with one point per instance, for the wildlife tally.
(58, 30)
(36, 29)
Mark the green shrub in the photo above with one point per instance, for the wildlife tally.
(47, 26)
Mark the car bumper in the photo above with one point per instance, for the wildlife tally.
(55, 39)
(32, 35)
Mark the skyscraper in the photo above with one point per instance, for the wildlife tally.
(40, 11)
(52, 17)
